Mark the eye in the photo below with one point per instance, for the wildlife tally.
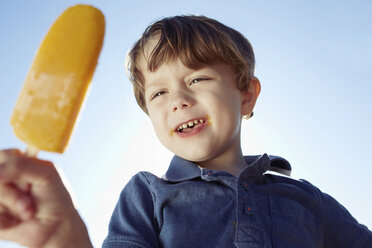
(158, 93)
(197, 80)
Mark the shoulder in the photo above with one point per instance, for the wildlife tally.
(145, 177)
(290, 184)
(132, 223)
(142, 179)
(144, 182)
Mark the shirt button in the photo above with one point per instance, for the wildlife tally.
(248, 210)
(244, 185)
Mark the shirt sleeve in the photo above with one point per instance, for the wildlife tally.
(341, 229)
(132, 224)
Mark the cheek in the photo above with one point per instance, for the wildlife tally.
(159, 125)
(226, 113)
(225, 103)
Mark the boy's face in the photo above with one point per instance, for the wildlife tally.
(205, 99)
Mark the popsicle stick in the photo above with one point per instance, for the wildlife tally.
(31, 151)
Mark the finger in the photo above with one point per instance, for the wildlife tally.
(7, 221)
(17, 167)
(25, 187)
(3, 208)
(16, 202)
(7, 158)
(7, 154)
(28, 234)
(11, 151)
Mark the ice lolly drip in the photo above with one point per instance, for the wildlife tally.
(59, 77)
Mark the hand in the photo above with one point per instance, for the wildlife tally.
(36, 210)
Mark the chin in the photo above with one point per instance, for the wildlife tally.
(197, 152)
(195, 156)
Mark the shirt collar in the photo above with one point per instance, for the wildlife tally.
(183, 170)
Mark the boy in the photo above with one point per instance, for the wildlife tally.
(194, 78)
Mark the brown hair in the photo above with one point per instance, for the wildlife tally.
(196, 41)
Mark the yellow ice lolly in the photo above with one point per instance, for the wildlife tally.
(59, 77)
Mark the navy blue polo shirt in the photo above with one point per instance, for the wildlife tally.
(193, 207)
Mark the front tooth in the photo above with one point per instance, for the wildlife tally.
(196, 121)
(184, 125)
(190, 123)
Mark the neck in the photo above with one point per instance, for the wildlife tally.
(231, 163)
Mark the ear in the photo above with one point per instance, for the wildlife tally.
(250, 96)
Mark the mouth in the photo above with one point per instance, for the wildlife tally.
(188, 126)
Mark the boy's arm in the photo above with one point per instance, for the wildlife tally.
(36, 210)
(341, 228)
(133, 223)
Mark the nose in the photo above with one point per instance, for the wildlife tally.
(181, 100)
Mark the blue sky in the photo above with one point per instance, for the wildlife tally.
(314, 63)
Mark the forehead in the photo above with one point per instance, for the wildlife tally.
(153, 61)
(149, 76)
(144, 56)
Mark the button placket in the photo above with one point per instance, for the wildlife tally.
(249, 227)
(244, 185)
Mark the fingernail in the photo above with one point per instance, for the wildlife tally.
(23, 203)
(24, 207)
(25, 187)
(26, 215)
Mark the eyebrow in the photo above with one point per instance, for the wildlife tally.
(156, 83)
